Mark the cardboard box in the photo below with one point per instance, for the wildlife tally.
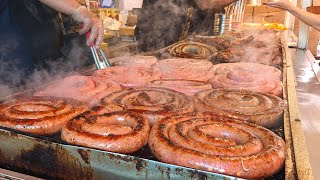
(130, 4)
(263, 13)
(316, 3)
(124, 31)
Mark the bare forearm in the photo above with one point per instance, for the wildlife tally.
(63, 6)
(90, 21)
(310, 19)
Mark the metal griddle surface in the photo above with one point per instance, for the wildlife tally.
(142, 153)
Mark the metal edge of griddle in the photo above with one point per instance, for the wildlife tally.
(293, 126)
(56, 160)
(10, 175)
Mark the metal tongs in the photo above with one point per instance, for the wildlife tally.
(100, 58)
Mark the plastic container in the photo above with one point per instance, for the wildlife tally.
(107, 3)
(222, 24)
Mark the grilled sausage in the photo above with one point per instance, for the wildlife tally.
(195, 50)
(244, 80)
(152, 103)
(83, 88)
(187, 87)
(140, 61)
(256, 69)
(185, 69)
(130, 76)
(250, 151)
(39, 115)
(122, 132)
(262, 109)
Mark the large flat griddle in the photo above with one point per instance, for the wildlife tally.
(49, 157)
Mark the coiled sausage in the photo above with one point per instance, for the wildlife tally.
(218, 144)
(39, 115)
(122, 132)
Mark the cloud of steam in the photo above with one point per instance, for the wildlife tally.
(159, 24)
(265, 49)
(17, 72)
(76, 57)
(10, 66)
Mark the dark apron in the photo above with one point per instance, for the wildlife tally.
(40, 28)
(53, 38)
(164, 22)
(32, 39)
(15, 57)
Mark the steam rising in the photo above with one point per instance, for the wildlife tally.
(265, 49)
(160, 23)
(76, 56)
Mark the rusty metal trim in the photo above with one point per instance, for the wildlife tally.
(10, 175)
(49, 159)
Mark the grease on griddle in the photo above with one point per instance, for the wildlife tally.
(49, 161)
(85, 155)
(140, 164)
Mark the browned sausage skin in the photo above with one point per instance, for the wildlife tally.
(188, 87)
(186, 69)
(152, 103)
(123, 132)
(262, 109)
(256, 69)
(137, 60)
(39, 115)
(252, 151)
(244, 80)
(195, 50)
(129, 76)
(86, 89)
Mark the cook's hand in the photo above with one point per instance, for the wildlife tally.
(281, 4)
(94, 4)
(89, 21)
(213, 4)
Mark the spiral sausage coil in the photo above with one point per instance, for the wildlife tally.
(218, 144)
(152, 103)
(122, 132)
(262, 109)
(39, 115)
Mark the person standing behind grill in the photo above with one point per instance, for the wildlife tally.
(164, 22)
(310, 19)
(30, 33)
